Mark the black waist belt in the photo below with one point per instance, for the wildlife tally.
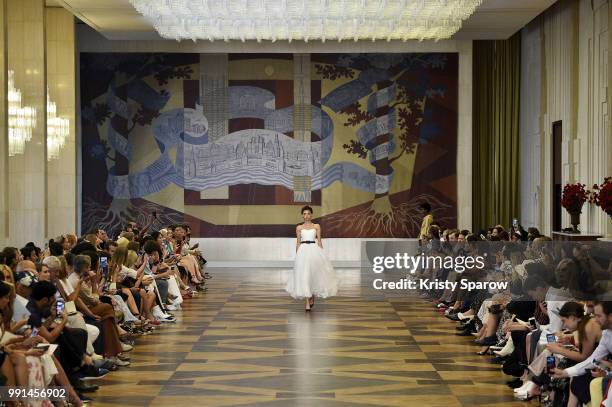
(308, 241)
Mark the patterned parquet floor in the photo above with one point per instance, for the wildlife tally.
(246, 343)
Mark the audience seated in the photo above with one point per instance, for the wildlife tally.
(544, 322)
(71, 313)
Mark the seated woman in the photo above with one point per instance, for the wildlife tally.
(575, 346)
(187, 257)
(59, 277)
(99, 310)
(133, 281)
(25, 365)
(173, 261)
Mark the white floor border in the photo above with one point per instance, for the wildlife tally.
(256, 252)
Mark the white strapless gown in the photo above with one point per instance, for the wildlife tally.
(312, 273)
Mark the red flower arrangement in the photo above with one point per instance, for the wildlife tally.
(602, 195)
(574, 196)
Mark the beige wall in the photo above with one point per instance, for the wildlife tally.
(3, 133)
(61, 81)
(26, 172)
(566, 65)
(29, 209)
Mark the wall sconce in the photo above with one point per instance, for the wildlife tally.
(21, 120)
(58, 130)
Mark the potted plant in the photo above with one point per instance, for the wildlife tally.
(602, 196)
(573, 198)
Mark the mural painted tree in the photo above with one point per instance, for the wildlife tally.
(115, 94)
(398, 89)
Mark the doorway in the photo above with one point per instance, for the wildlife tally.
(557, 139)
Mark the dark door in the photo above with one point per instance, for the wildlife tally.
(557, 139)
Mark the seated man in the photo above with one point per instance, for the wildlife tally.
(71, 342)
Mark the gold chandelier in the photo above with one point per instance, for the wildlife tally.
(306, 19)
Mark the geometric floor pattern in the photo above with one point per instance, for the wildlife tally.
(246, 343)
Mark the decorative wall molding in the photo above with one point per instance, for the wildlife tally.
(575, 65)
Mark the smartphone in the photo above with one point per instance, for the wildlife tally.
(550, 364)
(532, 322)
(59, 309)
(601, 366)
(551, 338)
(34, 332)
(43, 346)
(104, 265)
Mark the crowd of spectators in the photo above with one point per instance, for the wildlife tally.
(550, 328)
(72, 310)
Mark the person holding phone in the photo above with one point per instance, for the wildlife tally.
(187, 259)
(19, 351)
(588, 333)
(82, 265)
(603, 316)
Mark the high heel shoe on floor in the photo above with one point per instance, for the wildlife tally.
(506, 350)
(525, 392)
(491, 340)
(515, 383)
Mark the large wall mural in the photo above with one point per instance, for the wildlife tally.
(236, 144)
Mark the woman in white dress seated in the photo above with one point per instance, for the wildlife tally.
(313, 274)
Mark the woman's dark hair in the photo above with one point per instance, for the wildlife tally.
(5, 289)
(435, 232)
(472, 238)
(152, 246)
(570, 275)
(306, 208)
(534, 232)
(93, 256)
(10, 256)
(575, 309)
(533, 282)
(43, 289)
(69, 258)
(155, 235)
(26, 251)
(135, 246)
(55, 248)
(107, 244)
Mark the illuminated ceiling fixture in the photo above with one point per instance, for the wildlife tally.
(21, 120)
(306, 19)
(58, 130)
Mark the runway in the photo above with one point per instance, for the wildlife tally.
(245, 342)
